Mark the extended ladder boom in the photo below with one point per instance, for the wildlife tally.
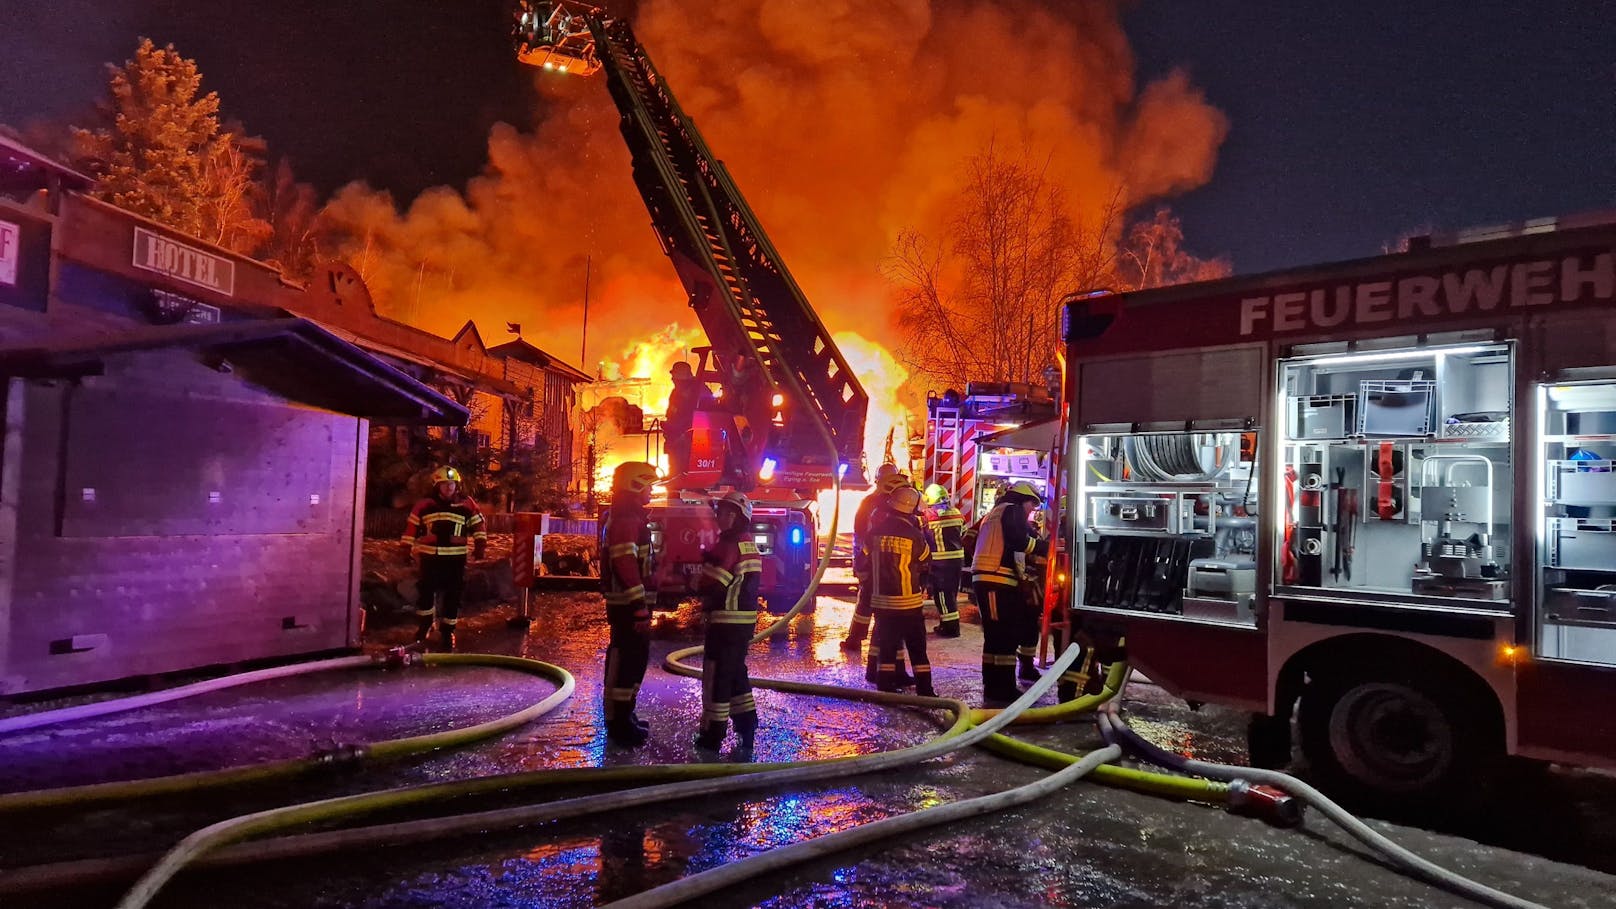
(748, 304)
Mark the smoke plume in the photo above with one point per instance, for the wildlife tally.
(842, 122)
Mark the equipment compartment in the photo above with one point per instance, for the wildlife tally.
(1582, 483)
(1582, 543)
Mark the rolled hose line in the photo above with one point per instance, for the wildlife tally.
(240, 828)
(1400, 857)
(393, 749)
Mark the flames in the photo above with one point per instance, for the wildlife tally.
(883, 378)
(639, 374)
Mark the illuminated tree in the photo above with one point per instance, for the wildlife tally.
(983, 304)
(160, 152)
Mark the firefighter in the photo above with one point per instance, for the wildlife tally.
(997, 571)
(1032, 593)
(437, 531)
(946, 526)
(898, 558)
(887, 480)
(625, 569)
(728, 583)
(688, 397)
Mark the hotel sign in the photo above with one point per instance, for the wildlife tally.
(158, 253)
(10, 252)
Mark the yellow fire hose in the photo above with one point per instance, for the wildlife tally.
(80, 796)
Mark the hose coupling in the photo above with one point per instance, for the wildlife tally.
(398, 658)
(339, 757)
(1266, 803)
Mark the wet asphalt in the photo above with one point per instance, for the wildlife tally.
(1548, 838)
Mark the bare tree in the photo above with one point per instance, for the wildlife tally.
(1152, 254)
(985, 304)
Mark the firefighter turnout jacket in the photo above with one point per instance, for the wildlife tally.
(947, 529)
(730, 578)
(1002, 546)
(626, 552)
(898, 556)
(440, 527)
(869, 507)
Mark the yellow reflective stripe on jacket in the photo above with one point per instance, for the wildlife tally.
(618, 550)
(429, 549)
(748, 564)
(620, 597)
(946, 555)
(898, 601)
(717, 574)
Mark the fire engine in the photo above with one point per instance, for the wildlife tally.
(982, 441)
(1378, 496)
(793, 416)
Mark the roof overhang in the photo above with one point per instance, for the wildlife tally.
(292, 358)
(1039, 436)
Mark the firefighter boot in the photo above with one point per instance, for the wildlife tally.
(948, 629)
(711, 737)
(642, 725)
(623, 732)
(923, 683)
(871, 669)
(423, 627)
(746, 725)
(1028, 671)
(446, 638)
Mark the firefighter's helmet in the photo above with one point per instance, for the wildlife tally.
(682, 370)
(445, 475)
(891, 483)
(885, 470)
(905, 500)
(736, 500)
(634, 476)
(1022, 491)
(936, 494)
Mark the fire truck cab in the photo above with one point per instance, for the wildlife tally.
(1377, 494)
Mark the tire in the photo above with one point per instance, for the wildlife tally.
(667, 602)
(1389, 737)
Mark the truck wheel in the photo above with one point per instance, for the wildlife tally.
(668, 602)
(1384, 737)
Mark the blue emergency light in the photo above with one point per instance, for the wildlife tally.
(796, 536)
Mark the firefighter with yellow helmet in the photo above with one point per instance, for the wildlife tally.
(729, 582)
(998, 569)
(888, 480)
(946, 528)
(437, 531)
(625, 548)
(898, 558)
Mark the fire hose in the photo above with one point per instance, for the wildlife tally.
(344, 756)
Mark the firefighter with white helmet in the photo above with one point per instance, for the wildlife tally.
(898, 558)
(439, 527)
(998, 569)
(946, 528)
(729, 582)
(625, 549)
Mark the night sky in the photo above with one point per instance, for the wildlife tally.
(1350, 123)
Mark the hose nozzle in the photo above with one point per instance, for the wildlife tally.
(1266, 803)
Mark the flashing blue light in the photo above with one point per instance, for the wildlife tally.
(767, 472)
(796, 536)
(841, 470)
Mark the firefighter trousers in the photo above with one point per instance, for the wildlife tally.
(945, 586)
(863, 612)
(898, 630)
(1003, 621)
(726, 689)
(1032, 620)
(440, 574)
(627, 653)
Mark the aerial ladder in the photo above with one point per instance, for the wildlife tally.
(794, 398)
(792, 417)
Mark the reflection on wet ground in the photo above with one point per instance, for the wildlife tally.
(1086, 846)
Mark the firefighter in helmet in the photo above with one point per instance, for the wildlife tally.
(887, 479)
(625, 569)
(946, 528)
(997, 571)
(728, 583)
(898, 557)
(439, 527)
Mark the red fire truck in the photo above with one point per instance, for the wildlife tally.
(1378, 496)
(792, 413)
